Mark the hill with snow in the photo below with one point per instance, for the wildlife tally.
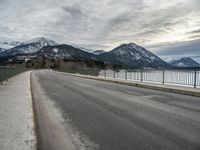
(185, 62)
(64, 52)
(133, 56)
(28, 47)
(127, 55)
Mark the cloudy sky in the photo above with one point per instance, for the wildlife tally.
(167, 28)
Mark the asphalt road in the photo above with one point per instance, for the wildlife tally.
(109, 116)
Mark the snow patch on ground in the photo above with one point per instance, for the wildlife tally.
(71, 133)
(81, 141)
(55, 50)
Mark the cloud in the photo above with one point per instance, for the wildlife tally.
(74, 12)
(102, 24)
(195, 31)
(181, 49)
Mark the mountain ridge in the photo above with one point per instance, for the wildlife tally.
(128, 55)
(29, 47)
(8, 45)
(98, 52)
(132, 55)
(64, 51)
(185, 62)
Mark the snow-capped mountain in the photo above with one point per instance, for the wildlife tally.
(29, 47)
(186, 62)
(8, 45)
(42, 41)
(133, 56)
(97, 52)
(127, 55)
(64, 52)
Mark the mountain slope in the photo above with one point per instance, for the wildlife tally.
(127, 55)
(133, 56)
(185, 62)
(64, 52)
(82, 48)
(8, 45)
(1, 50)
(98, 52)
(28, 47)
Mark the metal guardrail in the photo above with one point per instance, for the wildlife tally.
(8, 72)
(189, 77)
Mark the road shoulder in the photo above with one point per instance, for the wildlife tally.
(50, 129)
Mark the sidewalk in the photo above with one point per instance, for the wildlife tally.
(16, 114)
(154, 86)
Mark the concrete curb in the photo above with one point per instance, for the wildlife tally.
(172, 89)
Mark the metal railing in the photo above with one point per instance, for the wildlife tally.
(8, 72)
(190, 77)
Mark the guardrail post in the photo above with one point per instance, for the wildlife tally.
(195, 78)
(163, 76)
(141, 75)
(7, 74)
(125, 74)
(114, 74)
(10, 73)
(1, 77)
(105, 73)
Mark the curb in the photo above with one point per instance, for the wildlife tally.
(140, 85)
(34, 113)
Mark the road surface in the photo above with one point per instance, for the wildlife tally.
(110, 116)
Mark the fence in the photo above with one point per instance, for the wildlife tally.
(8, 72)
(174, 76)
